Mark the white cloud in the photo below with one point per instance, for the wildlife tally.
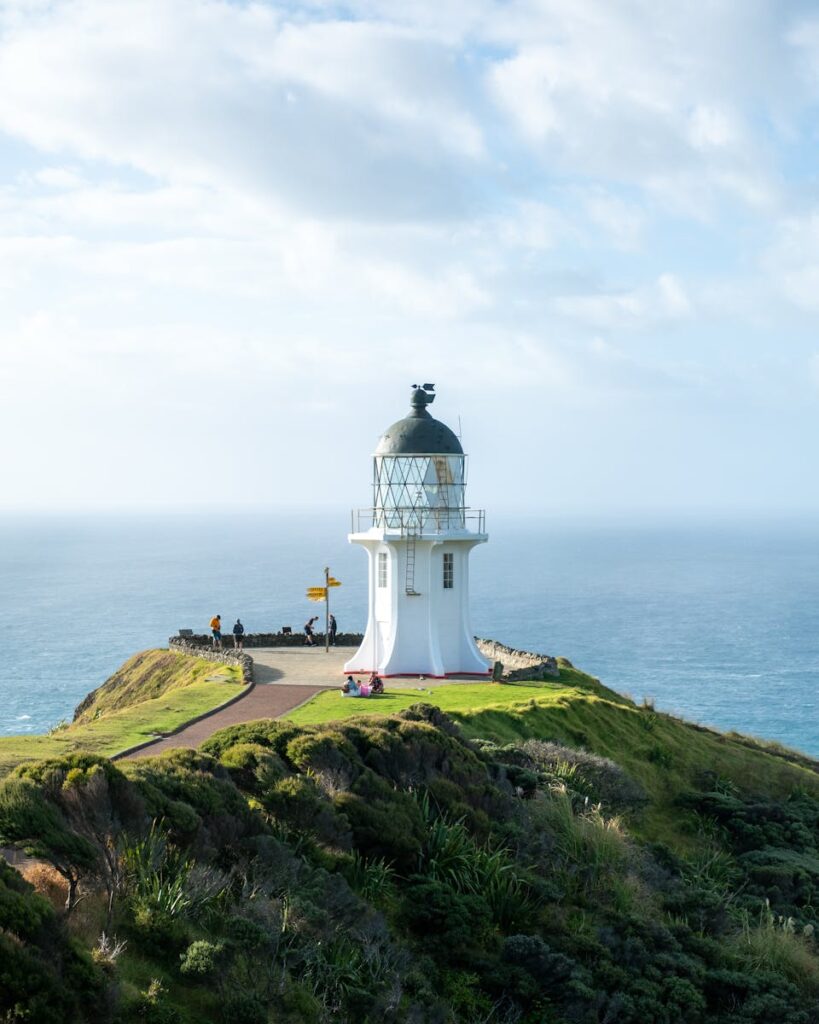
(793, 260)
(338, 118)
(636, 309)
(245, 211)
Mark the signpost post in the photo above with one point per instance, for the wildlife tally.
(323, 594)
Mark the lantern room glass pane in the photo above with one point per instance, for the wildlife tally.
(418, 491)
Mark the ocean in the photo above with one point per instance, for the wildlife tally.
(718, 622)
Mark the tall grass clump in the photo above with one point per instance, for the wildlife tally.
(450, 855)
(160, 879)
(591, 846)
(775, 944)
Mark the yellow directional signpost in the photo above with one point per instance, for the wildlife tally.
(323, 594)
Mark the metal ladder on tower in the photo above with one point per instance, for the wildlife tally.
(409, 574)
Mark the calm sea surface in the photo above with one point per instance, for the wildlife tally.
(719, 623)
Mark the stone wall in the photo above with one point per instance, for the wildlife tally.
(518, 664)
(224, 657)
(296, 639)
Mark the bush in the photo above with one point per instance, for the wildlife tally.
(243, 1008)
(152, 1007)
(452, 927)
(201, 959)
(598, 778)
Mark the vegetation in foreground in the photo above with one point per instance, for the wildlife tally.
(661, 752)
(394, 869)
(152, 694)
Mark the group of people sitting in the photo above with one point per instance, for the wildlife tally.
(352, 688)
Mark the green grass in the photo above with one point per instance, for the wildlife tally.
(330, 706)
(455, 698)
(108, 726)
(665, 754)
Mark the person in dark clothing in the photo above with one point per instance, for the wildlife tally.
(331, 635)
(308, 632)
(238, 635)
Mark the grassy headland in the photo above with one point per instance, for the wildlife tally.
(153, 693)
(532, 853)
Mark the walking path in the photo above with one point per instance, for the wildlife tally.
(285, 677)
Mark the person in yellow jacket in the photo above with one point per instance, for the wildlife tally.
(216, 630)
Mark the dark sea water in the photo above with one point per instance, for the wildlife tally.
(717, 622)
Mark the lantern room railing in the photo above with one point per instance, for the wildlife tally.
(417, 521)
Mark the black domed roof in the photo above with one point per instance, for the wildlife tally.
(419, 433)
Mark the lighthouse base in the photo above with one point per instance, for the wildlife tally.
(418, 619)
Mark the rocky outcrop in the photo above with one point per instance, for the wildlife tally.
(518, 664)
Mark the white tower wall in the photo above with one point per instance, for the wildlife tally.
(426, 633)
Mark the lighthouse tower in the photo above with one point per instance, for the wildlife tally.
(418, 536)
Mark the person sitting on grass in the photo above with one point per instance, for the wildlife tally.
(350, 688)
(376, 683)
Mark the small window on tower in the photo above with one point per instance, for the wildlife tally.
(382, 568)
(449, 570)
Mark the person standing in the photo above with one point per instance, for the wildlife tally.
(331, 633)
(238, 635)
(216, 630)
(308, 632)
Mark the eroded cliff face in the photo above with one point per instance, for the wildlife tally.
(143, 677)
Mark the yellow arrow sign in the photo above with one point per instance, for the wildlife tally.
(333, 582)
(317, 593)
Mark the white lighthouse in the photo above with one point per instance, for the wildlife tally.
(418, 536)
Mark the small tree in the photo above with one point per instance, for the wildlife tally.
(29, 822)
(72, 812)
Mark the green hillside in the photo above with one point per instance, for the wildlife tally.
(544, 853)
(153, 693)
(665, 754)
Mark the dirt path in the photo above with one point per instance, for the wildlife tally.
(285, 677)
(264, 701)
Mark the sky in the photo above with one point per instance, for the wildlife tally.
(232, 235)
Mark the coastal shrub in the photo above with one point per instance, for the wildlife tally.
(266, 732)
(599, 778)
(254, 768)
(298, 803)
(201, 806)
(43, 975)
(385, 823)
(240, 1007)
(753, 824)
(787, 878)
(201, 959)
(530, 971)
(453, 928)
(151, 1006)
